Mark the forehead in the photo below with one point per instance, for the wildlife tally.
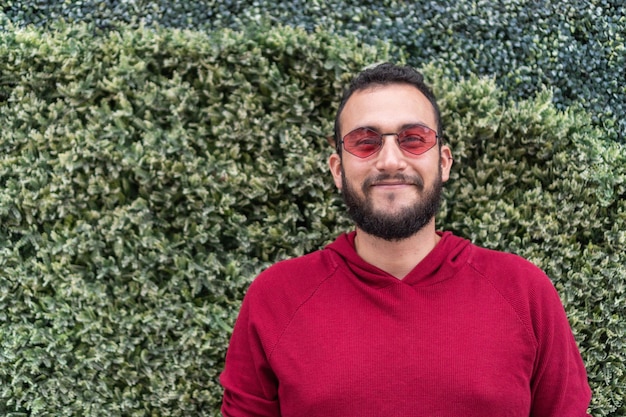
(387, 107)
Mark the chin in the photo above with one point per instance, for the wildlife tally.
(393, 208)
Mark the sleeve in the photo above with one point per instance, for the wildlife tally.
(559, 384)
(250, 386)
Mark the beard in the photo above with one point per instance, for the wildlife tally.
(392, 226)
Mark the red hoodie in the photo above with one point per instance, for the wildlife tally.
(469, 332)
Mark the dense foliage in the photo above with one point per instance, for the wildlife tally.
(145, 178)
(575, 47)
(147, 175)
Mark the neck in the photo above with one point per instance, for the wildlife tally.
(397, 258)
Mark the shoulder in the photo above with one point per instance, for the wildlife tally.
(507, 269)
(280, 292)
(525, 287)
(294, 280)
(298, 271)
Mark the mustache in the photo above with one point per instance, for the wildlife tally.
(406, 179)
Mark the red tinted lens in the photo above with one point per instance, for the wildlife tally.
(362, 142)
(417, 139)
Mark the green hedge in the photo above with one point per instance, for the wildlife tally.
(575, 47)
(147, 175)
(145, 178)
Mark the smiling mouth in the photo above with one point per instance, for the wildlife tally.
(390, 183)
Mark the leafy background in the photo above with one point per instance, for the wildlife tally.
(155, 156)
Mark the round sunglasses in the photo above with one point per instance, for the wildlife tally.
(414, 139)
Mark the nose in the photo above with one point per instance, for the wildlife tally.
(390, 157)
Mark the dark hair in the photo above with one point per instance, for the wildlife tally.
(386, 74)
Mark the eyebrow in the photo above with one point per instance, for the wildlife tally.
(404, 126)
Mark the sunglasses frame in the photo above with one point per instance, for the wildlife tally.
(397, 135)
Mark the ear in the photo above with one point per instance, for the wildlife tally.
(446, 162)
(334, 163)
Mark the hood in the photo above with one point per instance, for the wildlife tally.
(449, 255)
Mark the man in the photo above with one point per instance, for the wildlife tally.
(395, 318)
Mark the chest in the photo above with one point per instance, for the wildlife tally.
(405, 352)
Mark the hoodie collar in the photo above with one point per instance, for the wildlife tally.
(446, 258)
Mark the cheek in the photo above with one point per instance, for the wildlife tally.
(355, 174)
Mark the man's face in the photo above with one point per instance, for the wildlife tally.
(391, 194)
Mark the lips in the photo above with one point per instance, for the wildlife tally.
(393, 181)
(387, 183)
